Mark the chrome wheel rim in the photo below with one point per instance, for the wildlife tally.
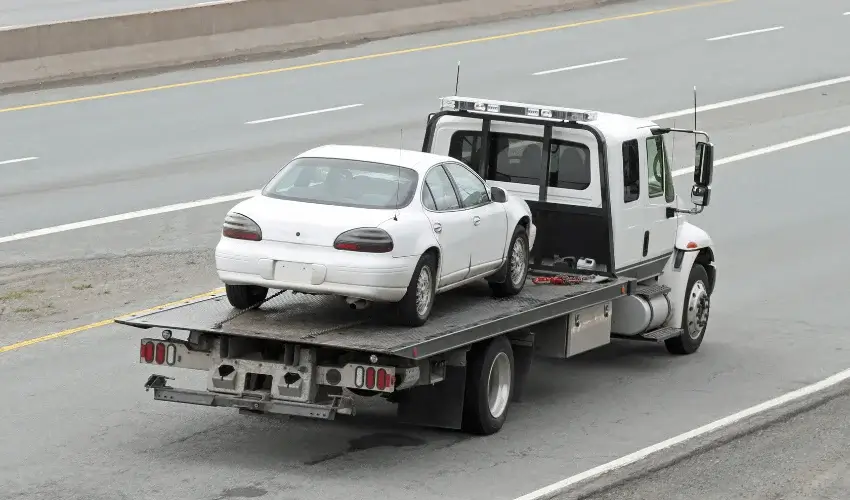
(499, 385)
(519, 261)
(423, 291)
(698, 306)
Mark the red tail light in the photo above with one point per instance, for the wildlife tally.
(239, 227)
(382, 379)
(160, 353)
(370, 378)
(365, 239)
(147, 352)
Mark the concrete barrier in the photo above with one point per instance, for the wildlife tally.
(99, 46)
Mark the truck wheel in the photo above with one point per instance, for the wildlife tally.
(245, 296)
(415, 307)
(694, 314)
(489, 386)
(515, 268)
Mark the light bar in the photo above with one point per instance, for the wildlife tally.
(455, 103)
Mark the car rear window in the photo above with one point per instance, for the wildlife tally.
(347, 183)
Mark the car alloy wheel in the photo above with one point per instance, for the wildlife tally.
(423, 291)
(519, 261)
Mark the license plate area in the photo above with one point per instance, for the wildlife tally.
(296, 272)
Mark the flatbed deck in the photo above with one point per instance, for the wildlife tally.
(460, 317)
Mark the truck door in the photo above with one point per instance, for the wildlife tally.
(660, 230)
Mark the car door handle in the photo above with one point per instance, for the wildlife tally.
(476, 220)
(438, 227)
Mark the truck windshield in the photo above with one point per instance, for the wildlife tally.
(348, 183)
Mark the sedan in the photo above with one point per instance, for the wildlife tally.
(374, 224)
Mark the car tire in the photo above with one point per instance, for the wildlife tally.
(695, 309)
(489, 386)
(245, 296)
(415, 307)
(515, 268)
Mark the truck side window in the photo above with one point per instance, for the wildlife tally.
(658, 169)
(519, 159)
(631, 171)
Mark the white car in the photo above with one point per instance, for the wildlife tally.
(374, 225)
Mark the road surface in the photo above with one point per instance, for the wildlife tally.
(25, 12)
(804, 457)
(77, 408)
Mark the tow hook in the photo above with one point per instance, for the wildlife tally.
(157, 382)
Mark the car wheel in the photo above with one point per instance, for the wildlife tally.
(515, 267)
(415, 307)
(245, 296)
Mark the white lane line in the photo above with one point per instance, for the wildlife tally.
(18, 160)
(771, 149)
(752, 98)
(561, 486)
(247, 194)
(306, 113)
(579, 66)
(129, 215)
(846, 14)
(745, 33)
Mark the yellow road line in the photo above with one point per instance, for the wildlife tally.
(71, 331)
(367, 57)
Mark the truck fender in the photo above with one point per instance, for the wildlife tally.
(693, 245)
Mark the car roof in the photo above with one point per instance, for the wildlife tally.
(416, 160)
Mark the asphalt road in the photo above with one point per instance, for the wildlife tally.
(804, 457)
(78, 422)
(25, 12)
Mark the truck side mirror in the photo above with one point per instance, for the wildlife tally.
(498, 194)
(703, 174)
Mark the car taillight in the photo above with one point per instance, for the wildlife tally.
(365, 239)
(239, 227)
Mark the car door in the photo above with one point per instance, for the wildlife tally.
(660, 228)
(489, 222)
(450, 223)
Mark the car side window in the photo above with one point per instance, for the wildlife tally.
(441, 189)
(658, 169)
(472, 191)
(428, 198)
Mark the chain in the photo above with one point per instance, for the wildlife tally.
(218, 326)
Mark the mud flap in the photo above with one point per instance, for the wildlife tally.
(438, 405)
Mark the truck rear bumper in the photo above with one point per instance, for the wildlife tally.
(162, 392)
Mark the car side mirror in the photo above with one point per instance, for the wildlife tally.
(498, 194)
(703, 174)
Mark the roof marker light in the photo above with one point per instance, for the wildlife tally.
(455, 103)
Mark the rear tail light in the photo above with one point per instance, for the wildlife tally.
(161, 353)
(239, 227)
(365, 239)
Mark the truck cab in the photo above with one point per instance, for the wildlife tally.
(602, 196)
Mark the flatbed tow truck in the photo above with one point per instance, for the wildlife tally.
(614, 258)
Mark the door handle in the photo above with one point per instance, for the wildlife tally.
(476, 220)
(438, 227)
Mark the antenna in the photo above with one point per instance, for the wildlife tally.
(695, 116)
(398, 177)
(457, 78)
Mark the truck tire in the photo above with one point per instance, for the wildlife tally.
(515, 268)
(415, 307)
(695, 307)
(489, 386)
(245, 296)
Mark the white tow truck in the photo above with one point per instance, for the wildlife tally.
(614, 258)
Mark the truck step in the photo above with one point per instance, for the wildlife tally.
(650, 291)
(662, 334)
(659, 335)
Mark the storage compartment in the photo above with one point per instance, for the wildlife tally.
(580, 331)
